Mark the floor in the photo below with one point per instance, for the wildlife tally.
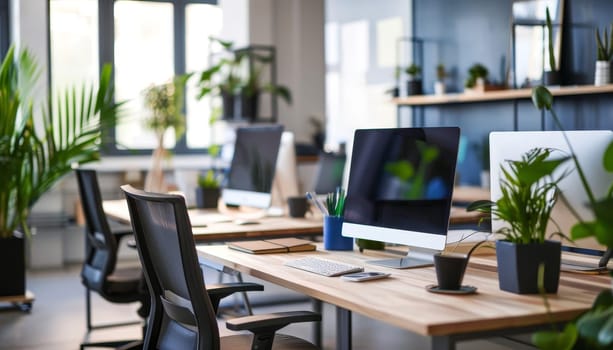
(57, 319)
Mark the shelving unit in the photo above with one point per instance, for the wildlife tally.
(417, 103)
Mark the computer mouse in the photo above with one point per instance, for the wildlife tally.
(246, 222)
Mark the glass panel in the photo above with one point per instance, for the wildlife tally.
(202, 21)
(144, 56)
(74, 42)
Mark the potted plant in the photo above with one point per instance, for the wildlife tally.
(252, 86)
(529, 192)
(39, 143)
(439, 84)
(164, 103)
(477, 75)
(602, 75)
(223, 79)
(551, 76)
(593, 329)
(414, 85)
(209, 183)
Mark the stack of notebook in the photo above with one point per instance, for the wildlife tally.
(278, 245)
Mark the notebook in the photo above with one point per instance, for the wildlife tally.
(278, 245)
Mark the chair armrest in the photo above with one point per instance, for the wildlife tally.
(265, 326)
(219, 291)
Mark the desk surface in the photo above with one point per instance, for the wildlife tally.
(402, 300)
(227, 230)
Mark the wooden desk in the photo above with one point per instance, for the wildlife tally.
(266, 227)
(403, 301)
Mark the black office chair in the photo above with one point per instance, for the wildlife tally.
(183, 308)
(99, 272)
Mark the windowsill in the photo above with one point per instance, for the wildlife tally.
(136, 163)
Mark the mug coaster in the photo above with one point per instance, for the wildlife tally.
(463, 289)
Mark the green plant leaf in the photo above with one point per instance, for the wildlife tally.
(590, 324)
(542, 97)
(552, 340)
(481, 205)
(608, 158)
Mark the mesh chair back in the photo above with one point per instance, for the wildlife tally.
(182, 315)
(101, 245)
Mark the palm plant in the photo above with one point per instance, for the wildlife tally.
(39, 143)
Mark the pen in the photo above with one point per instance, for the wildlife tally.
(313, 198)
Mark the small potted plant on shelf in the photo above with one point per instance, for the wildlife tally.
(414, 84)
(529, 192)
(477, 76)
(39, 144)
(593, 329)
(552, 75)
(439, 84)
(164, 103)
(602, 74)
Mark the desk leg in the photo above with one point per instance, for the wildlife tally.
(343, 329)
(317, 307)
(442, 342)
(239, 278)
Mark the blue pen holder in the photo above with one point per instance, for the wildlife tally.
(333, 239)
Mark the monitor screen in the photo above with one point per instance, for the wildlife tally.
(400, 186)
(330, 169)
(253, 166)
(589, 147)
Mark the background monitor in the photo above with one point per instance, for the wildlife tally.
(400, 188)
(329, 173)
(253, 166)
(589, 146)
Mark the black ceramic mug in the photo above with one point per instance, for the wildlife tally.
(450, 270)
(298, 206)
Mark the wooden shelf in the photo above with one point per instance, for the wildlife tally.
(498, 95)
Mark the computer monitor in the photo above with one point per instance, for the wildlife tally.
(330, 170)
(589, 147)
(285, 183)
(253, 166)
(400, 188)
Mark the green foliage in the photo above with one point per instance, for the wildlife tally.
(233, 74)
(604, 47)
(475, 72)
(413, 70)
(165, 103)
(37, 150)
(335, 202)
(441, 74)
(593, 329)
(601, 227)
(209, 180)
(552, 57)
(529, 193)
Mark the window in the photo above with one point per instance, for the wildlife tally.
(148, 42)
(5, 37)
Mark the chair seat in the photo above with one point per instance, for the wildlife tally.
(281, 342)
(124, 280)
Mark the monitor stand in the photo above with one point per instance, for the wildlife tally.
(416, 257)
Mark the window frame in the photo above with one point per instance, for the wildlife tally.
(5, 27)
(106, 54)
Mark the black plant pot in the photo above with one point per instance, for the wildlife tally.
(249, 106)
(207, 198)
(518, 266)
(551, 78)
(414, 87)
(13, 271)
(227, 101)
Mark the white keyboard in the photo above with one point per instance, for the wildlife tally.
(323, 267)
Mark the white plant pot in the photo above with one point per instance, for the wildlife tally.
(439, 88)
(602, 74)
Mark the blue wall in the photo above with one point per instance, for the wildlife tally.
(461, 33)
